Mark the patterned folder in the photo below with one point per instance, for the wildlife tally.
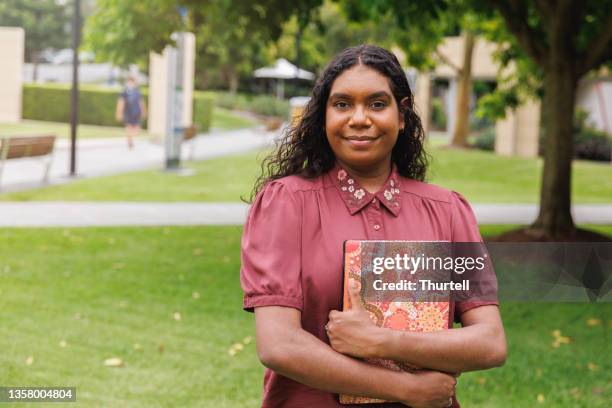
(399, 314)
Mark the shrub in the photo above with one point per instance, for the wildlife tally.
(438, 115)
(588, 142)
(203, 105)
(264, 105)
(485, 140)
(51, 102)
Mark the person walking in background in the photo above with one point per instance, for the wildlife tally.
(130, 110)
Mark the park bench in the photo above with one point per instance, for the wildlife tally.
(16, 147)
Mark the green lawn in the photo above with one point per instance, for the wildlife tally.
(223, 179)
(223, 119)
(481, 176)
(167, 302)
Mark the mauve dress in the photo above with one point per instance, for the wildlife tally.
(292, 251)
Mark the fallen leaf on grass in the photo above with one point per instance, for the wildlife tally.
(29, 360)
(247, 340)
(161, 348)
(195, 295)
(63, 343)
(176, 316)
(113, 362)
(592, 322)
(593, 366)
(235, 348)
(541, 398)
(597, 391)
(559, 339)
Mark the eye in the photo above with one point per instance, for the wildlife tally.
(341, 105)
(378, 105)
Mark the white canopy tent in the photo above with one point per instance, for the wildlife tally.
(282, 70)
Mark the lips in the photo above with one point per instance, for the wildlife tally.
(361, 142)
(362, 138)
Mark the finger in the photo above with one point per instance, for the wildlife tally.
(354, 295)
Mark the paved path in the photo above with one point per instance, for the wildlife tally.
(73, 214)
(99, 157)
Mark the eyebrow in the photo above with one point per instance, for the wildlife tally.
(339, 95)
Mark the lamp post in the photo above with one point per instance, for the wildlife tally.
(74, 95)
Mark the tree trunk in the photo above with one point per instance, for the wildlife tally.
(234, 80)
(555, 220)
(462, 108)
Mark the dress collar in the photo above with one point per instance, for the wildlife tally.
(356, 197)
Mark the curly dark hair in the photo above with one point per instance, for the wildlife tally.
(305, 151)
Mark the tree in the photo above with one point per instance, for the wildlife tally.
(125, 31)
(46, 24)
(421, 27)
(230, 34)
(565, 40)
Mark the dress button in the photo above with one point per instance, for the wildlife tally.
(377, 227)
(373, 201)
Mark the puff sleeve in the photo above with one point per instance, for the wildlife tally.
(464, 228)
(270, 273)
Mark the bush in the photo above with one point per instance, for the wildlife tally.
(485, 140)
(52, 103)
(203, 105)
(438, 115)
(96, 105)
(264, 105)
(589, 143)
(592, 144)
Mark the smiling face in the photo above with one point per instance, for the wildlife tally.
(362, 120)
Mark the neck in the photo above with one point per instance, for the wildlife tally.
(371, 178)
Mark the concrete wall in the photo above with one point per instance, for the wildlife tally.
(595, 97)
(158, 87)
(518, 134)
(11, 60)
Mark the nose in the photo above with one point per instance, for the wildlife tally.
(359, 118)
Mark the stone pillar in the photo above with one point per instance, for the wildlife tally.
(518, 133)
(422, 99)
(158, 87)
(11, 60)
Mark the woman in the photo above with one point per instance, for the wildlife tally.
(353, 169)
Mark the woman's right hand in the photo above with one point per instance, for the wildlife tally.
(430, 389)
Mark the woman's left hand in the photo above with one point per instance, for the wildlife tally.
(353, 332)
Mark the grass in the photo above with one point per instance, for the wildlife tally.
(481, 176)
(114, 292)
(222, 179)
(223, 119)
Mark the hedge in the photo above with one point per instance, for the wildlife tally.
(263, 105)
(96, 105)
